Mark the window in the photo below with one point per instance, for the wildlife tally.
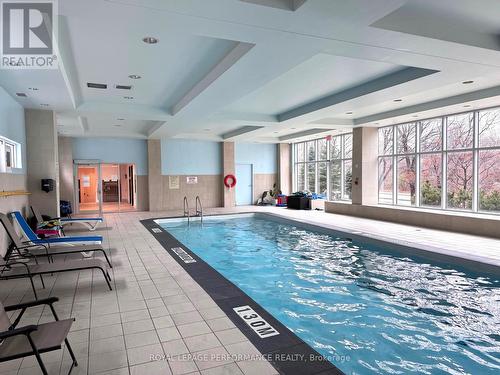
(451, 162)
(9, 155)
(324, 166)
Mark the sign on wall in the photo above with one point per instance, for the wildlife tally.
(173, 182)
(190, 180)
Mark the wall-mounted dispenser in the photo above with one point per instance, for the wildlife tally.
(48, 184)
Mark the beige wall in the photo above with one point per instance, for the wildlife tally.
(228, 167)
(455, 222)
(284, 167)
(42, 157)
(10, 182)
(208, 188)
(142, 203)
(154, 175)
(261, 183)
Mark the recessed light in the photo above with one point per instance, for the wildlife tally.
(398, 100)
(123, 87)
(117, 126)
(150, 40)
(33, 88)
(92, 85)
(467, 82)
(293, 128)
(415, 116)
(120, 119)
(21, 94)
(128, 97)
(134, 76)
(275, 132)
(348, 113)
(44, 105)
(467, 106)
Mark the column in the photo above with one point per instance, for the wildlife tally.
(228, 167)
(155, 185)
(365, 166)
(284, 167)
(42, 159)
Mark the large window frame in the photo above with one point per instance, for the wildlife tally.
(447, 153)
(305, 161)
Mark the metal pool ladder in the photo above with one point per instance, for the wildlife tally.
(186, 208)
(199, 210)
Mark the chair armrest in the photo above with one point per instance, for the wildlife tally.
(26, 330)
(24, 305)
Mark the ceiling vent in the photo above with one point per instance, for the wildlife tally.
(21, 94)
(123, 87)
(97, 85)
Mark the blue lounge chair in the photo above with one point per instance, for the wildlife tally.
(90, 222)
(32, 237)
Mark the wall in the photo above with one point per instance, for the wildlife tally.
(66, 179)
(484, 225)
(42, 159)
(264, 158)
(113, 150)
(119, 151)
(182, 158)
(12, 127)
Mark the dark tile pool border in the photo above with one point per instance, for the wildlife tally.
(281, 350)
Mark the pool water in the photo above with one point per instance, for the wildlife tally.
(366, 309)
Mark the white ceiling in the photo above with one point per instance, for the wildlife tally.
(240, 70)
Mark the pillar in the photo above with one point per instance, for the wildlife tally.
(284, 168)
(154, 175)
(228, 167)
(42, 159)
(365, 166)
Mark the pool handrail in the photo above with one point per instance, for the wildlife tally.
(199, 212)
(186, 208)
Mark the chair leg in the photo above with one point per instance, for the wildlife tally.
(43, 283)
(38, 357)
(106, 275)
(107, 259)
(75, 363)
(33, 287)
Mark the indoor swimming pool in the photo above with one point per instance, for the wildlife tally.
(367, 309)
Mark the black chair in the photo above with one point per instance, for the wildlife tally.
(19, 342)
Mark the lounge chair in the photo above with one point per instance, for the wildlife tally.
(20, 342)
(90, 223)
(32, 237)
(48, 250)
(15, 266)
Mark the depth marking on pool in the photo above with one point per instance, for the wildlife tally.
(255, 321)
(181, 253)
(156, 230)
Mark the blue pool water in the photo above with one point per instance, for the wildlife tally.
(367, 310)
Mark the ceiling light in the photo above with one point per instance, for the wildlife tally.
(398, 100)
(150, 40)
(44, 104)
(33, 88)
(467, 106)
(117, 126)
(97, 85)
(120, 119)
(21, 94)
(207, 130)
(293, 128)
(415, 116)
(123, 87)
(467, 82)
(348, 113)
(134, 76)
(275, 132)
(128, 97)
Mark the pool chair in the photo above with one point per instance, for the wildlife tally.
(32, 237)
(46, 250)
(90, 223)
(17, 257)
(33, 340)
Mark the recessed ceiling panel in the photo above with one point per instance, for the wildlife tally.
(317, 77)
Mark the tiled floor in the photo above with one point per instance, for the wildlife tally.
(157, 320)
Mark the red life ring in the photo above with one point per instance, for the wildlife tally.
(233, 181)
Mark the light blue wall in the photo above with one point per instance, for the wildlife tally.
(12, 124)
(183, 156)
(113, 150)
(263, 156)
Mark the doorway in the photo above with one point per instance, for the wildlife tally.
(244, 187)
(105, 187)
